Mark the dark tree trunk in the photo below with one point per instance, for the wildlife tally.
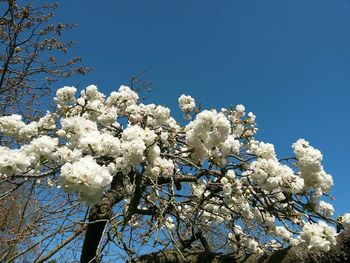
(100, 214)
(98, 218)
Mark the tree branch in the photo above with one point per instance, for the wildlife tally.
(60, 246)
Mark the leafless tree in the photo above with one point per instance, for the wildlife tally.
(32, 55)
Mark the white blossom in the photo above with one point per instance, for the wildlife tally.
(41, 148)
(326, 208)
(11, 125)
(65, 95)
(86, 178)
(162, 166)
(122, 99)
(309, 162)
(318, 236)
(208, 130)
(230, 146)
(13, 162)
(169, 223)
(283, 233)
(186, 103)
(240, 108)
(345, 220)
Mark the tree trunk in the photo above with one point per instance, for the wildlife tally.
(98, 218)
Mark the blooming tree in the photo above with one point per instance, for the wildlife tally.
(152, 183)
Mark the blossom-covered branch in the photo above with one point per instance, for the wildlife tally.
(152, 181)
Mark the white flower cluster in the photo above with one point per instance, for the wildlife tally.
(17, 161)
(84, 135)
(76, 127)
(162, 166)
(85, 177)
(13, 162)
(64, 154)
(265, 218)
(14, 126)
(238, 237)
(325, 208)
(269, 173)
(29, 131)
(230, 146)
(41, 148)
(133, 145)
(234, 199)
(153, 115)
(158, 166)
(309, 163)
(65, 96)
(207, 131)
(262, 150)
(345, 221)
(92, 106)
(240, 109)
(186, 103)
(228, 181)
(318, 236)
(122, 99)
(282, 232)
(11, 125)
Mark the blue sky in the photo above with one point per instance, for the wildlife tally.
(286, 61)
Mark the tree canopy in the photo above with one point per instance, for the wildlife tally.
(130, 179)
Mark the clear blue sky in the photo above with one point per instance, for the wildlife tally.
(286, 61)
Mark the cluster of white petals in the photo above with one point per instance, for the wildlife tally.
(309, 163)
(122, 99)
(186, 103)
(325, 208)
(133, 145)
(162, 166)
(42, 147)
(64, 154)
(208, 130)
(319, 236)
(269, 173)
(11, 125)
(345, 220)
(154, 115)
(85, 177)
(14, 127)
(13, 162)
(169, 223)
(238, 238)
(65, 96)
